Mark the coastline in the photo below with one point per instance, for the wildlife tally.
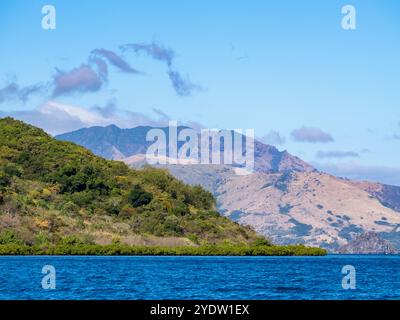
(126, 250)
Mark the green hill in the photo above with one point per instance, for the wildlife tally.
(53, 191)
(59, 198)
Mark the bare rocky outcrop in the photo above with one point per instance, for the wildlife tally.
(368, 243)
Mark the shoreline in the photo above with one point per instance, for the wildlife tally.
(126, 250)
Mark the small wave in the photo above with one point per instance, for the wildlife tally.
(297, 289)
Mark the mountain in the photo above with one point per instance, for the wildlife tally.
(114, 143)
(307, 207)
(110, 142)
(289, 207)
(368, 243)
(54, 192)
(285, 199)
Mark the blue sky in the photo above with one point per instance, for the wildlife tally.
(285, 68)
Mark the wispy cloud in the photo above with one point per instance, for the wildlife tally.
(115, 59)
(161, 114)
(311, 135)
(12, 91)
(154, 50)
(182, 85)
(336, 154)
(93, 75)
(101, 66)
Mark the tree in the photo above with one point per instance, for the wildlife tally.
(4, 179)
(138, 197)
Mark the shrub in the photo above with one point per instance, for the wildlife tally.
(138, 197)
(171, 225)
(9, 237)
(127, 211)
(72, 240)
(112, 206)
(180, 210)
(4, 179)
(12, 170)
(42, 238)
(194, 238)
(70, 209)
(261, 242)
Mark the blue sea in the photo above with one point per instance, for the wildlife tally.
(121, 277)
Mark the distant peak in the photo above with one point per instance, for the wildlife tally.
(113, 126)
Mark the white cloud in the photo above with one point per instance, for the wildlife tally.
(61, 111)
(55, 117)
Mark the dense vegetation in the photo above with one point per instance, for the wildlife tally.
(57, 197)
(121, 249)
(52, 190)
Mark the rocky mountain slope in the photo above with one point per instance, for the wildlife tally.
(294, 207)
(368, 243)
(314, 208)
(290, 202)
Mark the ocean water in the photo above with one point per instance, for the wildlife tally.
(377, 277)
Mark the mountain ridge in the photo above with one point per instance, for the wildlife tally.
(103, 141)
